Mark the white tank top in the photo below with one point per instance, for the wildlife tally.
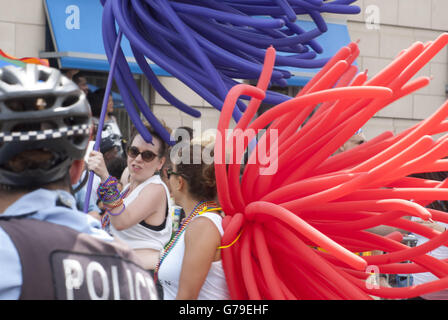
(139, 236)
(215, 285)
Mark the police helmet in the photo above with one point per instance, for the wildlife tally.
(41, 109)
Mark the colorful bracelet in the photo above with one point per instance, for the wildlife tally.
(108, 191)
(117, 214)
(105, 221)
(115, 204)
(109, 194)
(105, 186)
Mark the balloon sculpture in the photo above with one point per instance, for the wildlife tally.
(208, 44)
(313, 199)
(293, 233)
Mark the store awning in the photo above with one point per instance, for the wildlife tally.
(76, 32)
(75, 27)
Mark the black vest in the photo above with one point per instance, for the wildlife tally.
(63, 264)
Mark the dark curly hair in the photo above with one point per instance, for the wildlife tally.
(200, 177)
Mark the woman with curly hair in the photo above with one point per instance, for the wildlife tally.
(191, 266)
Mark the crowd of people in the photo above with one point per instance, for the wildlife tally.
(128, 223)
(50, 249)
(127, 231)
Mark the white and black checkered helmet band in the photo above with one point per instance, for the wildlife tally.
(45, 134)
(40, 107)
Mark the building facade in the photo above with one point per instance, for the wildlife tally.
(383, 29)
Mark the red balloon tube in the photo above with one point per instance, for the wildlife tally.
(316, 198)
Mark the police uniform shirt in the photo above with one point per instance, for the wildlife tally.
(44, 203)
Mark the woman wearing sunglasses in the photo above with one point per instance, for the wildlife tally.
(139, 214)
(191, 266)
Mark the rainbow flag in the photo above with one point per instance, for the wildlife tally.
(7, 60)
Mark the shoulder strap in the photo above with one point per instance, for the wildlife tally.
(212, 214)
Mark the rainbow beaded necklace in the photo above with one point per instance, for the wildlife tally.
(200, 208)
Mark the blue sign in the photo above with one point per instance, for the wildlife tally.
(77, 35)
(76, 29)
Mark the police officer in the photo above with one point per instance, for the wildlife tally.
(49, 249)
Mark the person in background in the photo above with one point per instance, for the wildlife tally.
(440, 252)
(357, 139)
(47, 244)
(404, 280)
(115, 161)
(115, 164)
(80, 192)
(191, 265)
(81, 81)
(69, 73)
(182, 135)
(79, 189)
(110, 126)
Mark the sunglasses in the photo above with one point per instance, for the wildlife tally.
(147, 155)
(170, 172)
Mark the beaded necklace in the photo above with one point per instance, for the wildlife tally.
(200, 208)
